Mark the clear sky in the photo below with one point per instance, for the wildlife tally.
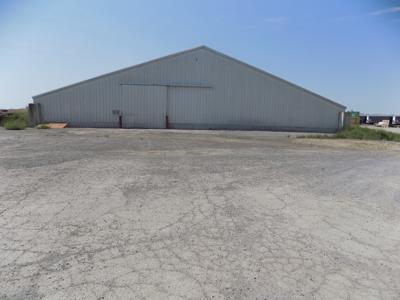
(348, 51)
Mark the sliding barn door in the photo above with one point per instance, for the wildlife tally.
(143, 106)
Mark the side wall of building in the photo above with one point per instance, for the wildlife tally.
(196, 89)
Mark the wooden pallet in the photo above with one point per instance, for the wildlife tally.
(57, 125)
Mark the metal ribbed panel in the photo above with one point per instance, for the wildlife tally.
(240, 97)
(143, 106)
(190, 105)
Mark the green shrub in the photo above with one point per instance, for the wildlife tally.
(43, 126)
(19, 116)
(359, 133)
(15, 124)
(362, 133)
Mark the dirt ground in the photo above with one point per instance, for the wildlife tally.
(131, 214)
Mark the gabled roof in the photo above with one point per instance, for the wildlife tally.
(119, 71)
(191, 50)
(273, 76)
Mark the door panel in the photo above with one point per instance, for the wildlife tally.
(188, 107)
(143, 106)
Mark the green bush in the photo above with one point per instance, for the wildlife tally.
(43, 126)
(362, 133)
(21, 114)
(17, 117)
(15, 124)
(359, 133)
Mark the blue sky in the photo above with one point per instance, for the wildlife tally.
(348, 51)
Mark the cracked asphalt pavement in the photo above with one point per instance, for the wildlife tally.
(156, 214)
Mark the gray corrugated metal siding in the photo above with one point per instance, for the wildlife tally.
(199, 88)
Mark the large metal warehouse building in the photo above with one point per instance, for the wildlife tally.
(199, 89)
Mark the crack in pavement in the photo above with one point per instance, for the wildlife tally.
(195, 218)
